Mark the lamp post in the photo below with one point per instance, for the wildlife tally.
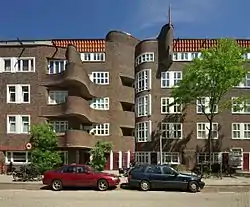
(161, 160)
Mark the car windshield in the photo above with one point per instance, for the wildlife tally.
(175, 171)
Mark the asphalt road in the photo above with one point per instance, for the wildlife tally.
(22, 198)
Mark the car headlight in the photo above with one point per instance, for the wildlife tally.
(114, 178)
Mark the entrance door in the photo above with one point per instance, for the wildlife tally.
(246, 161)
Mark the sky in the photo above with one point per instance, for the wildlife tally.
(83, 19)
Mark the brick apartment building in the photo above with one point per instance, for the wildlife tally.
(115, 89)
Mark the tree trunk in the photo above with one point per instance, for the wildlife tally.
(210, 147)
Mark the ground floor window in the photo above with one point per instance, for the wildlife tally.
(142, 157)
(203, 158)
(171, 158)
(17, 157)
(64, 157)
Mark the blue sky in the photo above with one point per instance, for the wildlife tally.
(31, 19)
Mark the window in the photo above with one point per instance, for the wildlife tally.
(57, 97)
(154, 169)
(25, 64)
(170, 79)
(203, 106)
(170, 158)
(93, 57)
(246, 82)
(100, 103)
(18, 124)
(16, 64)
(185, 56)
(143, 106)
(100, 129)
(144, 57)
(7, 65)
(240, 107)
(168, 171)
(18, 93)
(171, 130)
(64, 156)
(240, 130)
(59, 126)
(56, 66)
(142, 157)
(203, 129)
(203, 158)
(18, 157)
(143, 131)
(143, 80)
(166, 109)
(101, 78)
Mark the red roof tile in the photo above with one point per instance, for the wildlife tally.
(86, 45)
(179, 45)
(195, 45)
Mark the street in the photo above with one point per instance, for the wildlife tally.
(45, 198)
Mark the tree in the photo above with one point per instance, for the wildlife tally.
(219, 69)
(44, 154)
(98, 158)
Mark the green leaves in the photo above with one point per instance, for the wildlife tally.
(218, 70)
(98, 155)
(44, 148)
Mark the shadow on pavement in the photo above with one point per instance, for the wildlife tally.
(74, 188)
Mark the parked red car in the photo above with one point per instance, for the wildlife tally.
(75, 175)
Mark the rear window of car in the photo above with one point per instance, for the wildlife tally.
(138, 169)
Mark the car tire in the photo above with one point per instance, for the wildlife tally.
(56, 185)
(145, 185)
(102, 185)
(193, 187)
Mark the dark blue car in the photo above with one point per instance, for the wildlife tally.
(148, 177)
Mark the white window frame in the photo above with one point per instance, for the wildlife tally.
(100, 129)
(185, 56)
(143, 106)
(242, 130)
(19, 94)
(144, 57)
(52, 68)
(170, 79)
(173, 129)
(172, 156)
(215, 157)
(8, 161)
(100, 80)
(19, 68)
(93, 57)
(63, 126)
(246, 82)
(143, 80)
(204, 102)
(143, 157)
(65, 155)
(100, 103)
(205, 128)
(166, 109)
(57, 96)
(242, 106)
(18, 124)
(143, 131)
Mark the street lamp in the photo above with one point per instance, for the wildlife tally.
(161, 160)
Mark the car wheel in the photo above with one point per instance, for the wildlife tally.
(57, 185)
(102, 185)
(193, 187)
(145, 185)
